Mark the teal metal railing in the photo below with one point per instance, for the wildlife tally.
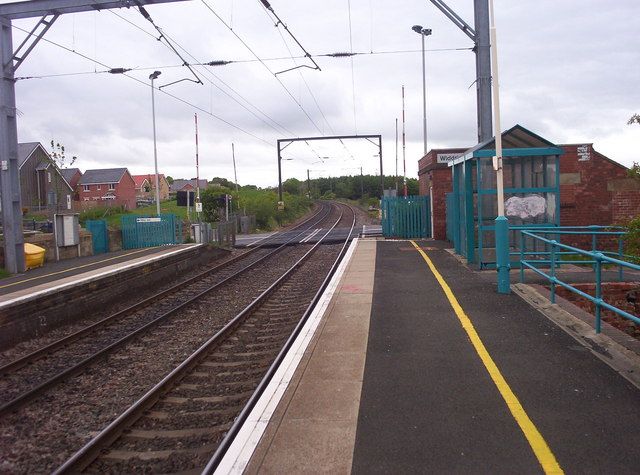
(595, 258)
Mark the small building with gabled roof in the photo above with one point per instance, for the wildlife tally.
(42, 184)
(108, 186)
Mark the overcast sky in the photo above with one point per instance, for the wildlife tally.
(569, 71)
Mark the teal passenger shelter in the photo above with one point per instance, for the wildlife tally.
(531, 167)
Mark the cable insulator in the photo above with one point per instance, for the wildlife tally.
(341, 55)
(118, 70)
(219, 62)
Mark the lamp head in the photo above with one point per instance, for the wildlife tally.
(154, 75)
(421, 31)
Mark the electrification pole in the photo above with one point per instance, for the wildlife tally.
(153, 77)
(49, 11)
(482, 49)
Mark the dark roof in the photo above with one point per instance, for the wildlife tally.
(103, 175)
(514, 138)
(25, 150)
(178, 185)
(68, 173)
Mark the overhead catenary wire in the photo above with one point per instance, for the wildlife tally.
(313, 96)
(264, 64)
(266, 5)
(146, 15)
(145, 84)
(240, 61)
(206, 73)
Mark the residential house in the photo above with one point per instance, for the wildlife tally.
(188, 185)
(108, 186)
(72, 175)
(145, 186)
(42, 185)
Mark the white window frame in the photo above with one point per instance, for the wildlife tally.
(98, 187)
(112, 186)
(86, 188)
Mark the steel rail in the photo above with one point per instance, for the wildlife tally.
(246, 410)
(27, 396)
(90, 451)
(66, 340)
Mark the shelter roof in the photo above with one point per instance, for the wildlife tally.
(516, 142)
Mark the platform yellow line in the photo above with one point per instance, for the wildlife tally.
(73, 268)
(534, 437)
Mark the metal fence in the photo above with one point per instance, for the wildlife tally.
(553, 254)
(406, 217)
(148, 231)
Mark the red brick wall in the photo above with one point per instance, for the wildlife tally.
(588, 181)
(438, 176)
(625, 205)
(125, 193)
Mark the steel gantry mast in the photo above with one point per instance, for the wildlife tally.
(482, 49)
(48, 11)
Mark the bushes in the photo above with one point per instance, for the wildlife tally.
(261, 203)
(632, 239)
(101, 213)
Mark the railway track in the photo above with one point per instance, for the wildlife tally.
(178, 424)
(30, 376)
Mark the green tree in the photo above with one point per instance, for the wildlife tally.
(292, 185)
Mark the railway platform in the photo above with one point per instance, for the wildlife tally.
(414, 364)
(68, 271)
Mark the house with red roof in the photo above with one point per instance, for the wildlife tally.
(146, 186)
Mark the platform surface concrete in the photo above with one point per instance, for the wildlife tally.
(392, 383)
(67, 271)
(315, 423)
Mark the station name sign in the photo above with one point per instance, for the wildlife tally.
(148, 220)
(447, 157)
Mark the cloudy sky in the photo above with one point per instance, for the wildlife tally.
(568, 71)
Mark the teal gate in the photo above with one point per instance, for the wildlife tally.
(406, 217)
(99, 235)
(148, 231)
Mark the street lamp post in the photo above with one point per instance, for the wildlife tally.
(153, 77)
(423, 32)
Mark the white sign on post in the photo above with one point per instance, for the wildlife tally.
(198, 207)
(447, 157)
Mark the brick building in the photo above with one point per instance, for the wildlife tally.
(434, 180)
(593, 188)
(108, 186)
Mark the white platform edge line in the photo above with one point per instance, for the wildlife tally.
(91, 278)
(242, 448)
